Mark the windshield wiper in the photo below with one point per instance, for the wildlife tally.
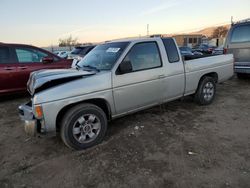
(91, 67)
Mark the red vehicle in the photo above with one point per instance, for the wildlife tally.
(17, 61)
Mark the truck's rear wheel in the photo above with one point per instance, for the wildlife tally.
(206, 91)
(83, 126)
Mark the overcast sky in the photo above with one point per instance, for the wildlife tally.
(43, 22)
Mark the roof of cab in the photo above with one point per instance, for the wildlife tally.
(135, 39)
(242, 22)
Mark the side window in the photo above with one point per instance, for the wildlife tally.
(144, 56)
(171, 49)
(241, 34)
(4, 55)
(27, 55)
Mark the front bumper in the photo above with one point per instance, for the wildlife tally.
(31, 125)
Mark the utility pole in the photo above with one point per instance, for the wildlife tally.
(147, 29)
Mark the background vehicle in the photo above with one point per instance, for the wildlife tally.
(188, 51)
(115, 79)
(238, 43)
(204, 48)
(17, 61)
(78, 53)
(62, 54)
(218, 51)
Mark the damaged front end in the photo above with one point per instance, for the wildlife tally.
(32, 125)
(45, 79)
(32, 113)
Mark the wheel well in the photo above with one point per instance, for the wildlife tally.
(214, 75)
(101, 103)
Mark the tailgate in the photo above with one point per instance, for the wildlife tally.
(241, 52)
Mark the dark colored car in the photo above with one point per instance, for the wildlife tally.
(204, 48)
(238, 43)
(185, 51)
(17, 61)
(188, 51)
(80, 51)
(218, 51)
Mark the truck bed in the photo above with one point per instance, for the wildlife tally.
(191, 57)
(222, 65)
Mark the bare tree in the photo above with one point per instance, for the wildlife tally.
(220, 32)
(68, 42)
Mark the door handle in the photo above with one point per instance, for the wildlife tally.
(161, 76)
(22, 68)
(8, 68)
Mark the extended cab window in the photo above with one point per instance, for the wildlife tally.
(171, 49)
(144, 56)
(4, 55)
(27, 55)
(241, 34)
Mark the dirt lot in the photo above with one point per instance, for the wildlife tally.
(179, 145)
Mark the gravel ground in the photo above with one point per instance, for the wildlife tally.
(179, 144)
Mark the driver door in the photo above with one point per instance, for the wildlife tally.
(143, 86)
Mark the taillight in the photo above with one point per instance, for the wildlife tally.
(225, 51)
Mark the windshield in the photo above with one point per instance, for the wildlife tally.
(104, 56)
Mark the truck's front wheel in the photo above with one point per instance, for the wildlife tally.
(83, 126)
(206, 91)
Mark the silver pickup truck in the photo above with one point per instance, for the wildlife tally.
(115, 79)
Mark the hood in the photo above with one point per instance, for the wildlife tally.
(44, 79)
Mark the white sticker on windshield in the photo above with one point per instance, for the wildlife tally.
(113, 50)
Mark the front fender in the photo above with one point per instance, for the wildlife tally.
(52, 109)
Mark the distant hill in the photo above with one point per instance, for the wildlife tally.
(209, 30)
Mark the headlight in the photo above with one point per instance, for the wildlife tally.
(38, 111)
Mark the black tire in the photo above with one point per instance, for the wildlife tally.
(241, 75)
(71, 120)
(205, 98)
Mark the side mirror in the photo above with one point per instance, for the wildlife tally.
(125, 67)
(47, 60)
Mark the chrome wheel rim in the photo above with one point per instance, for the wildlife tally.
(208, 91)
(86, 128)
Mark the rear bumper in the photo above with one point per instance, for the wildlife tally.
(30, 123)
(242, 67)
